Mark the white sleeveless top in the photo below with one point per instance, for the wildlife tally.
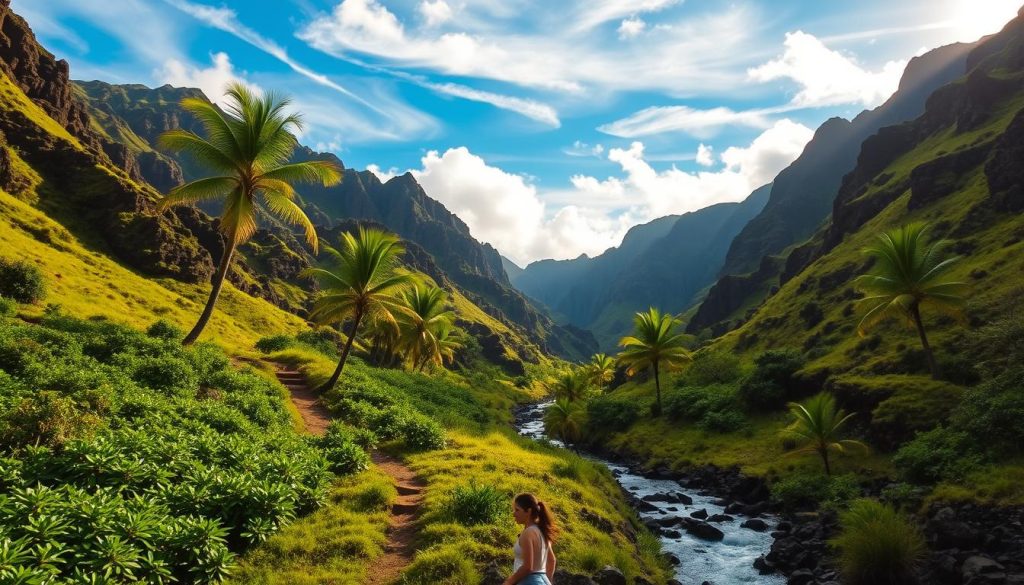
(540, 562)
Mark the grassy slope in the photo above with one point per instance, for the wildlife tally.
(995, 263)
(482, 448)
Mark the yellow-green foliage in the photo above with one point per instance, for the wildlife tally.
(994, 260)
(334, 544)
(488, 453)
(514, 466)
(12, 99)
(87, 283)
(1001, 485)
(758, 448)
(25, 179)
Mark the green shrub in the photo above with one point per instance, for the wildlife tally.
(878, 545)
(921, 405)
(45, 418)
(164, 329)
(803, 490)
(169, 375)
(324, 340)
(441, 566)
(711, 367)
(714, 408)
(995, 410)
(343, 454)
(421, 432)
(936, 455)
(610, 414)
(471, 504)
(8, 307)
(725, 421)
(771, 385)
(273, 343)
(21, 281)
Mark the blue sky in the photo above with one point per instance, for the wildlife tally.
(549, 127)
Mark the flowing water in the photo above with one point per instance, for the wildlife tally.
(725, 562)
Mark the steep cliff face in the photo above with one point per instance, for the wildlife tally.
(806, 191)
(803, 192)
(956, 168)
(664, 263)
(89, 182)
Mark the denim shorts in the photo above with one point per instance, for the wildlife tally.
(534, 579)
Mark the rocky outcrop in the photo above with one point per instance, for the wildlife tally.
(730, 294)
(970, 544)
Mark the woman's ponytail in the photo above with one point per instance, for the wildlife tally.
(541, 514)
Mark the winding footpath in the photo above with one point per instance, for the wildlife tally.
(400, 546)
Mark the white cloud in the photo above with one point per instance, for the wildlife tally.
(631, 27)
(383, 175)
(827, 77)
(530, 108)
(705, 157)
(699, 123)
(435, 12)
(710, 50)
(212, 80)
(527, 224)
(580, 148)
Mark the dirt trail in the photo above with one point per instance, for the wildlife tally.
(399, 549)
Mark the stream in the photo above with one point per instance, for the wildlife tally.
(723, 562)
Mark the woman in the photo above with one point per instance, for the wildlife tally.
(535, 561)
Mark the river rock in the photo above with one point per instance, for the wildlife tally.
(800, 577)
(704, 530)
(668, 521)
(978, 569)
(609, 576)
(701, 514)
(755, 524)
(563, 577)
(720, 518)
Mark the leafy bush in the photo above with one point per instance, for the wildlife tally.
(421, 432)
(441, 566)
(936, 455)
(995, 410)
(324, 340)
(273, 343)
(21, 281)
(714, 408)
(878, 545)
(45, 418)
(471, 504)
(810, 490)
(164, 329)
(610, 415)
(343, 454)
(8, 307)
(711, 367)
(771, 384)
(170, 375)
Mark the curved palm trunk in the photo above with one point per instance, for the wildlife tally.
(344, 355)
(824, 458)
(218, 282)
(657, 388)
(916, 312)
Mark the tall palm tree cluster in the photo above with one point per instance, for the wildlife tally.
(248, 146)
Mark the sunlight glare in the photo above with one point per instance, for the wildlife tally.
(973, 19)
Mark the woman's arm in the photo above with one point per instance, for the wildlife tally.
(550, 568)
(526, 545)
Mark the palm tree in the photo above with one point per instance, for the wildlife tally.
(907, 276)
(421, 325)
(601, 369)
(570, 385)
(247, 148)
(819, 422)
(654, 344)
(361, 281)
(564, 421)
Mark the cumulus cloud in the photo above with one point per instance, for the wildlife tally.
(527, 224)
(383, 175)
(827, 77)
(435, 12)
(631, 27)
(699, 123)
(212, 80)
(705, 157)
